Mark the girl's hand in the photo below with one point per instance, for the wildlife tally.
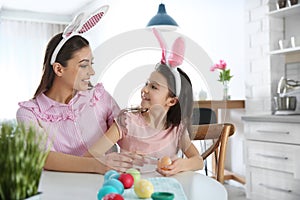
(174, 168)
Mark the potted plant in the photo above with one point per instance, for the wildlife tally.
(23, 154)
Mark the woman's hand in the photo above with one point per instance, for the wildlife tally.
(117, 161)
(121, 161)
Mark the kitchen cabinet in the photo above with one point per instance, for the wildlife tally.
(284, 24)
(271, 155)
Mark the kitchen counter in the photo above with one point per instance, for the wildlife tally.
(273, 118)
(271, 147)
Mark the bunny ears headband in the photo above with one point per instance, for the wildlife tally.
(80, 24)
(174, 57)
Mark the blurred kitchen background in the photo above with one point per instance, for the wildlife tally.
(259, 40)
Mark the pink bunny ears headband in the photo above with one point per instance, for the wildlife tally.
(80, 24)
(174, 57)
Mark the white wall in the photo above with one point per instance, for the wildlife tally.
(217, 26)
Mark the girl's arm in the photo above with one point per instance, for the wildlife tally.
(192, 162)
(105, 142)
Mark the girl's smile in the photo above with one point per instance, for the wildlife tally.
(155, 92)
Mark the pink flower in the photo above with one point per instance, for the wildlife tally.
(224, 73)
(222, 65)
(212, 68)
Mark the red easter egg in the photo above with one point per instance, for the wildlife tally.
(113, 196)
(127, 180)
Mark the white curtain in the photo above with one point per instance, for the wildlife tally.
(22, 48)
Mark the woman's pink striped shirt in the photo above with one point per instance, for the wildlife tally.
(72, 128)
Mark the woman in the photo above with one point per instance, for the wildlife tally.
(70, 110)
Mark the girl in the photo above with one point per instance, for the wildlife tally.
(160, 127)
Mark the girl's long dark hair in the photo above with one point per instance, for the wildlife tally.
(182, 111)
(67, 52)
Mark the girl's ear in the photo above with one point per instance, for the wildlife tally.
(172, 101)
(58, 69)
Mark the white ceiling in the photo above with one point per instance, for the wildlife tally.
(58, 11)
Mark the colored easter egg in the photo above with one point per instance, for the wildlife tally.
(115, 183)
(106, 190)
(164, 162)
(113, 196)
(127, 180)
(135, 174)
(143, 188)
(114, 176)
(109, 173)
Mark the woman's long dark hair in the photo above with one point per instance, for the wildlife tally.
(66, 53)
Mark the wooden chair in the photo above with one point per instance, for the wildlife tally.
(204, 116)
(219, 133)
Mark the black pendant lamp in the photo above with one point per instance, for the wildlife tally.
(162, 20)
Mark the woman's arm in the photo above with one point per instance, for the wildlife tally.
(105, 142)
(57, 161)
(95, 160)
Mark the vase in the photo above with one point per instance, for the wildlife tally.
(226, 95)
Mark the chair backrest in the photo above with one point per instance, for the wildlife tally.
(204, 116)
(219, 133)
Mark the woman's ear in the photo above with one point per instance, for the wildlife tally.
(58, 68)
(172, 101)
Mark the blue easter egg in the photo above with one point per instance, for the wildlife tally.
(106, 190)
(109, 173)
(114, 176)
(115, 183)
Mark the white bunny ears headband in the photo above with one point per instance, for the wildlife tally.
(174, 57)
(80, 24)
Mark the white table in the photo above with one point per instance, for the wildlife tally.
(78, 186)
